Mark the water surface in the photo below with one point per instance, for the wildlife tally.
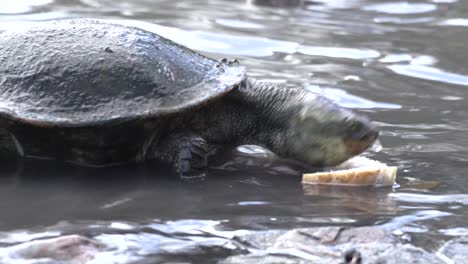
(402, 63)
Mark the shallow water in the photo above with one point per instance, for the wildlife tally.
(404, 64)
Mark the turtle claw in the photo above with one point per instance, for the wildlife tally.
(230, 63)
(223, 60)
(193, 178)
(234, 62)
(188, 173)
(192, 160)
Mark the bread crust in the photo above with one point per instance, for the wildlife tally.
(359, 171)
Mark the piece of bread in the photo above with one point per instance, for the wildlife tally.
(359, 171)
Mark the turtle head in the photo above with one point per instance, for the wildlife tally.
(321, 133)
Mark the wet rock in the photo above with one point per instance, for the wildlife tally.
(265, 260)
(336, 235)
(70, 249)
(304, 245)
(456, 250)
(331, 245)
(396, 254)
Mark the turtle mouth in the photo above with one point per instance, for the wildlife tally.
(356, 146)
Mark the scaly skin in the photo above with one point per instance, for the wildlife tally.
(138, 96)
(293, 123)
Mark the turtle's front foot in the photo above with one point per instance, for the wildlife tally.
(187, 153)
(191, 161)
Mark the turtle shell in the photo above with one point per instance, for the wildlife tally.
(81, 72)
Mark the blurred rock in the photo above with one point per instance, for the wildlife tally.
(304, 245)
(456, 250)
(331, 245)
(70, 249)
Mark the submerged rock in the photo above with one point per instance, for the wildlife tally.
(70, 249)
(304, 245)
(455, 250)
(331, 245)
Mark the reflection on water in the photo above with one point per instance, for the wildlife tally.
(344, 99)
(461, 199)
(401, 8)
(353, 201)
(403, 63)
(429, 73)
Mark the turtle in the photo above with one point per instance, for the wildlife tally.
(98, 93)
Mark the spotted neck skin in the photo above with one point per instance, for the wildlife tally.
(270, 107)
(291, 122)
(255, 113)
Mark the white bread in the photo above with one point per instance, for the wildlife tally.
(359, 171)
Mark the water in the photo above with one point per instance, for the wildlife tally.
(401, 63)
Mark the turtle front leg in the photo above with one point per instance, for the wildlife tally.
(191, 159)
(186, 152)
(7, 146)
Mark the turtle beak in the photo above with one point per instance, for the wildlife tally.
(359, 142)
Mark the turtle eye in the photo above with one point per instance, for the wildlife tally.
(356, 126)
(356, 130)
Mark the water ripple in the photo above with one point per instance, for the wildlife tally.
(247, 45)
(246, 203)
(401, 8)
(458, 231)
(23, 6)
(24, 236)
(402, 57)
(403, 21)
(429, 73)
(229, 44)
(344, 99)
(431, 199)
(238, 24)
(463, 22)
(425, 126)
(431, 148)
(217, 42)
(401, 221)
(335, 52)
